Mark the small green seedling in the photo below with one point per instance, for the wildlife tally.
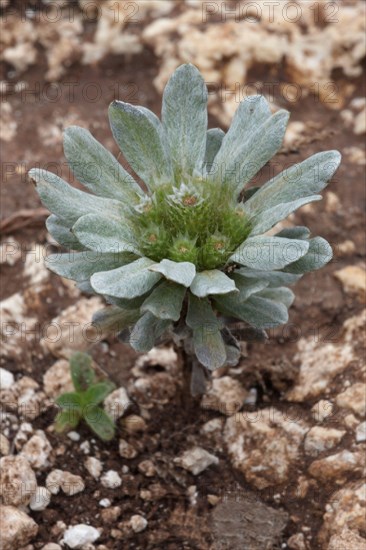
(83, 403)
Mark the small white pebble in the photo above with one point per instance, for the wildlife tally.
(361, 432)
(74, 436)
(6, 379)
(138, 523)
(192, 494)
(117, 403)
(111, 480)
(40, 499)
(85, 447)
(94, 466)
(105, 503)
(252, 397)
(53, 481)
(79, 535)
(196, 460)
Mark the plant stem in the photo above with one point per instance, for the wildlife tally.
(193, 377)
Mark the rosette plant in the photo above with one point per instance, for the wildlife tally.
(185, 253)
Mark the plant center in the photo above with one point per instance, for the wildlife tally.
(192, 222)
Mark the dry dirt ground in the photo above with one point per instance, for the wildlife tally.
(284, 431)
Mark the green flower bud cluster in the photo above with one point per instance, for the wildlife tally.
(201, 226)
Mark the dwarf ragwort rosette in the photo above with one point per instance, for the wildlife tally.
(192, 252)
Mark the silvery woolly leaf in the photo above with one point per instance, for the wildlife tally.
(147, 331)
(319, 254)
(232, 348)
(61, 232)
(198, 379)
(213, 143)
(208, 343)
(97, 169)
(209, 347)
(252, 112)
(233, 355)
(268, 253)
(69, 203)
(184, 117)
(212, 281)
(103, 234)
(124, 336)
(182, 273)
(247, 193)
(247, 286)
(165, 301)
(280, 294)
(125, 303)
(273, 278)
(80, 266)
(250, 334)
(142, 141)
(127, 281)
(299, 232)
(267, 218)
(298, 181)
(253, 138)
(85, 286)
(113, 318)
(260, 313)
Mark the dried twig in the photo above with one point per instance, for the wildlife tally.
(23, 218)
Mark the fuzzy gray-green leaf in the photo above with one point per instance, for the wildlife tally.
(82, 372)
(247, 286)
(142, 142)
(184, 116)
(182, 273)
(258, 312)
(69, 203)
(147, 331)
(251, 113)
(99, 421)
(127, 281)
(115, 319)
(268, 253)
(273, 278)
(80, 266)
(96, 168)
(267, 218)
(165, 301)
(67, 419)
(298, 232)
(61, 232)
(253, 138)
(213, 144)
(280, 294)
(208, 343)
(212, 281)
(301, 180)
(319, 254)
(105, 235)
(98, 392)
(69, 400)
(128, 303)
